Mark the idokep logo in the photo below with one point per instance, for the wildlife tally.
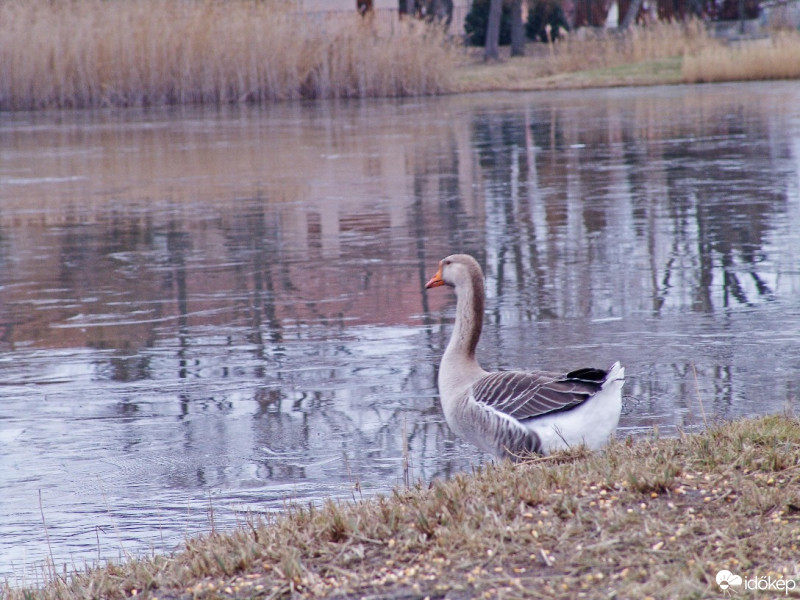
(728, 582)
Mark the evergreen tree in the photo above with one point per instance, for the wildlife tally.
(477, 20)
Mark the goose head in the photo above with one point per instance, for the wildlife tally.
(459, 271)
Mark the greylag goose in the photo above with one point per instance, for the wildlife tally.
(513, 413)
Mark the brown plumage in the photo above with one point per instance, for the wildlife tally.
(510, 413)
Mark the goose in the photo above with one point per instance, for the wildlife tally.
(511, 414)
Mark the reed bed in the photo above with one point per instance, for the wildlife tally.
(777, 57)
(66, 53)
(89, 53)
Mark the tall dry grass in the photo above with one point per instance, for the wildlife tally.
(777, 57)
(704, 58)
(66, 53)
(593, 49)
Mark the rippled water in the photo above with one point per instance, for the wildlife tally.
(212, 312)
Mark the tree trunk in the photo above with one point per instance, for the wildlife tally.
(517, 29)
(406, 7)
(492, 50)
(630, 16)
(741, 17)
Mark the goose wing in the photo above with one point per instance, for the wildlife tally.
(524, 395)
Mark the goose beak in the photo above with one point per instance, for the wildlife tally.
(436, 280)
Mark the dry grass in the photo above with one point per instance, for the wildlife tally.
(652, 518)
(638, 56)
(775, 58)
(663, 53)
(61, 53)
(602, 49)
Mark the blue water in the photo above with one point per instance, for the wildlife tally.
(211, 312)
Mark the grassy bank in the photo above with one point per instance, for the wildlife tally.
(655, 518)
(664, 53)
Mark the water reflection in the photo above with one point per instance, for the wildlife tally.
(225, 308)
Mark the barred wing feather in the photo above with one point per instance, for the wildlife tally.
(525, 395)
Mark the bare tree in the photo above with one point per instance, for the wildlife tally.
(492, 50)
(517, 29)
(630, 16)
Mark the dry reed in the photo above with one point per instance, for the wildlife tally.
(777, 57)
(61, 53)
(594, 49)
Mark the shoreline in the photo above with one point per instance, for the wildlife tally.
(654, 517)
(151, 53)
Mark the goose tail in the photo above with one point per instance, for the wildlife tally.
(592, 422)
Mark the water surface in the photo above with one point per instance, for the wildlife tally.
(211, 312)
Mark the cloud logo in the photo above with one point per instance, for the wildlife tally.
(726, 579)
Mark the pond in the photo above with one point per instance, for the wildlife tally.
(210, 313)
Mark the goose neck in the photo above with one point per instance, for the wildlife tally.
(469, 320)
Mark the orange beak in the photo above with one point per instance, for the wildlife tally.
(436, 280)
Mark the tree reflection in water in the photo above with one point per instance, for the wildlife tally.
(227, 306)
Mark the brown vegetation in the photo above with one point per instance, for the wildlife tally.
(141, 52)
(661, 53)
(152, 52)
(596, 49)
(777, 57)
(657, 517)
(591, 58)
